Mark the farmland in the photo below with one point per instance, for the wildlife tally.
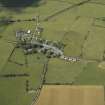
(81, 95)
(78, 24)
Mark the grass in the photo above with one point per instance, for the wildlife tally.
(91, 75)
(15, 93)
(5, 51)
(16, 86)
(36, 65)
(94, 45)
(62, 72)
(91, 10)
(18, 56)
(99, 23)
(97, 1)
(34, 68)
(74, 28)
(75, 39)
(56, 29)
(70, 1)
(10, 31)
(31, 11)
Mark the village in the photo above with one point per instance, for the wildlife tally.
(33, 43)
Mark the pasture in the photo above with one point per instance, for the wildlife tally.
(77, 24)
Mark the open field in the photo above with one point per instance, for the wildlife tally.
(15, 89)
(61, 72)
(4, 48)
(71, 95)
(91, 75)
(97, 41)
(79, 25)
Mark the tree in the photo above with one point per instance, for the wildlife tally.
(18, 3)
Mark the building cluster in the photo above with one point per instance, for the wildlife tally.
(70, 59)
(33, 43)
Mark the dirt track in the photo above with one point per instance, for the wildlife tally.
(71, 95)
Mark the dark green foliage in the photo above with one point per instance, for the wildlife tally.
(18, 3)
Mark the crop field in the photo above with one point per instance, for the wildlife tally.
(78, 24)
(71, 95)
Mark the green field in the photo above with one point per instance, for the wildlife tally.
(61, 72)
(80, 27)
(91, 75)
(15, 87)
